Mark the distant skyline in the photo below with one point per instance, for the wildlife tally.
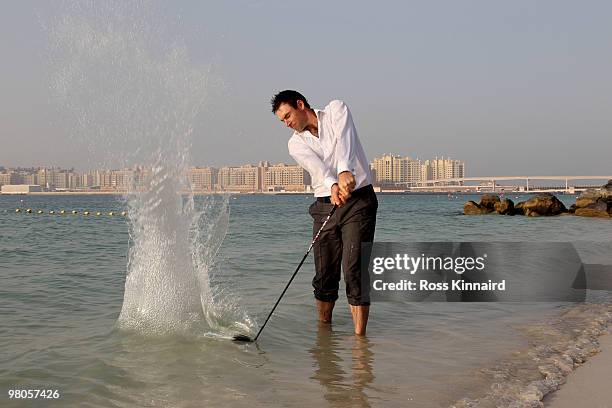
(256, 162)
(510, 88)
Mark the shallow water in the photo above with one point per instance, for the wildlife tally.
(63, 283)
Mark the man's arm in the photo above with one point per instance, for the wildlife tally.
(346, 134)
(307, 159)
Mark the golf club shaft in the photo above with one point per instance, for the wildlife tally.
(296, 271)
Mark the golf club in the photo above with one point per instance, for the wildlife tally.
(247, 339)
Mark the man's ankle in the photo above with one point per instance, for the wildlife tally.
(360, 318)
(324, 310)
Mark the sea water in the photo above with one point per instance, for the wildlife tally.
(64, 282)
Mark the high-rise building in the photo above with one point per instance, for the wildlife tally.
(393, 169)
(58, 179)
(441, 168)
(241, 178)
(88, 179)
(202, 178)
(10, 177)
(112, 180)
(31, 179)
(382, 168)
(282, 176)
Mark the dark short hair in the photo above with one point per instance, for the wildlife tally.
(287, 96)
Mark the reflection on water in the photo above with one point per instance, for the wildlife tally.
(342, 389)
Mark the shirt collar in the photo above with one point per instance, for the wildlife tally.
(319, 113)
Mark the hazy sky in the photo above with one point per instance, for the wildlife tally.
(520, 87)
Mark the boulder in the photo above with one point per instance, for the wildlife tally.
(595, 202)
(585, 201)
(597, 209)
(544, 204)
(489, 201)
(473, 208)
(505, 207)
(485, 206)
(591, 212)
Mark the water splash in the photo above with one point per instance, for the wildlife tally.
(131, 92)
(125, 88)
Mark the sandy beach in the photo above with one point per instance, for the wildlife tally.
(588, 386)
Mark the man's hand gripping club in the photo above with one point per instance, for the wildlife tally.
(341, 191)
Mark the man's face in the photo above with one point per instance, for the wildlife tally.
(294, 118)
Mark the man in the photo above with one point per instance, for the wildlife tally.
(325, 144)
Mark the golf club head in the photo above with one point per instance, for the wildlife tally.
(242, 338)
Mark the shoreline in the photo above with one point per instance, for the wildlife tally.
(589, 384)
(557, 358)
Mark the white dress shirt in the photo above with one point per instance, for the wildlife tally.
(336, 149)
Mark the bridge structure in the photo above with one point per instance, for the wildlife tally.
(523, 184)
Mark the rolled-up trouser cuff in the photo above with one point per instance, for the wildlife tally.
(356, 302)
(325, 297)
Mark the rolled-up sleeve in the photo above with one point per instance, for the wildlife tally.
(346, 134)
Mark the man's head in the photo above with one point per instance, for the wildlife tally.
(292, 109)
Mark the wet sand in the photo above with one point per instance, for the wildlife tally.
(557, 350)
(589, 385)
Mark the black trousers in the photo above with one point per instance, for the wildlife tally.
(339, 246)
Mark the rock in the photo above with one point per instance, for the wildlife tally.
(489, 201)
(598, 206)
(593, 211)
(505, 207)
(486, 205)
(543, 204)
(473, 208)
(595, 202)
(585, 201)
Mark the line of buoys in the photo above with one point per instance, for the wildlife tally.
(98, 213)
